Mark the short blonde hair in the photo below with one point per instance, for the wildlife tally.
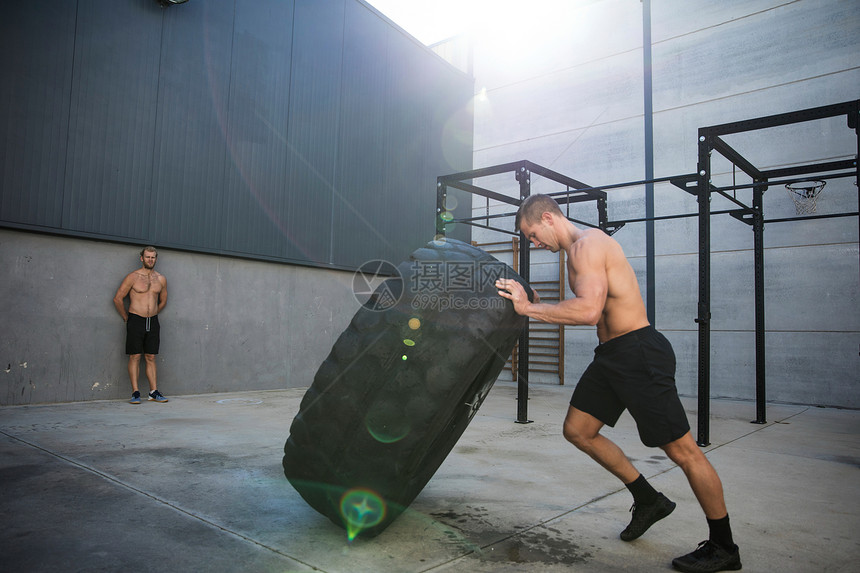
(533, 207)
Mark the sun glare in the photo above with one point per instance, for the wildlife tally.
(511, 26)
(515, 31)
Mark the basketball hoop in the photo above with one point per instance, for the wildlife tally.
(804, 194)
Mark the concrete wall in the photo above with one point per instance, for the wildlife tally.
(229, 324)
(571, 98)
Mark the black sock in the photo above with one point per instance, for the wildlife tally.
(721, 532)
(643, 493)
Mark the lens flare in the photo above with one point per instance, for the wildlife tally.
(414, 323)
(408, 342)
(361, 509)
(387, 422)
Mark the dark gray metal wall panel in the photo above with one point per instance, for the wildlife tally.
(112, 119)
(411, 193)
(449, 136)
(313, 128)
(191, 143)
(452, 136)
(36, 46)
(453, 144)
(415, 130)
(392, 115)
(361, 200)
(255, 202)
(293, 130)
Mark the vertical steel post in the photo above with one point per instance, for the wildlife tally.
(602, 216)
(524, 177)
(441, 196)
(758, 242)
(650, 267)
(704, 311)
(854, 122)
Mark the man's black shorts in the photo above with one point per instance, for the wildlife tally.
(635, 371)
(143, 335)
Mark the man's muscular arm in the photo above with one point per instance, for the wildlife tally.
(121, 293)
(590, 285)
(162, 296)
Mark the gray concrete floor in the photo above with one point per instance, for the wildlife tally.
(196, 485)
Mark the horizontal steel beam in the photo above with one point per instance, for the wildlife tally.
(849, 108)
(812, 168)
(483, 192)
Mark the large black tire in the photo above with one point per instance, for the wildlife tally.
(400, 386)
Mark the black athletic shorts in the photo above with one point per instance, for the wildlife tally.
(143, 335)
(635, 371)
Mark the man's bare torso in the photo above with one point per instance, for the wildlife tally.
(624, 310)
(145, 290)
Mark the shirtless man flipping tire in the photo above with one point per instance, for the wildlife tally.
(147, 293)
(633, 369)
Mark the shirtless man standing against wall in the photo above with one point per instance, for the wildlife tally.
(633, 369)
(147, 292)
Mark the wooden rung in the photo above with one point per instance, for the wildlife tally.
(506, 243)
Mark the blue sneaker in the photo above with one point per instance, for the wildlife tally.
(156, 396)
(135, 398)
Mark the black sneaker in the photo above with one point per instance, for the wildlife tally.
(135, 398)
(644, 516)
(709, 557)
(156, 396)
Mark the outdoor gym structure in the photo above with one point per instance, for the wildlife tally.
(699, 185)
